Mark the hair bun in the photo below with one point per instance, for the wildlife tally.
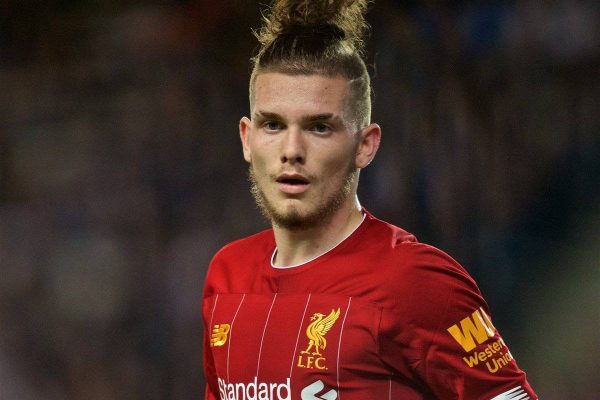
(335, 19)
(323, 30)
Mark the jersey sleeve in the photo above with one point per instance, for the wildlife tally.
(208, 303)
(442, 336)
(210, 376)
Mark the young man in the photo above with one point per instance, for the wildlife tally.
(332, 303)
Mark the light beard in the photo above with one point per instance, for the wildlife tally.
(293, 219)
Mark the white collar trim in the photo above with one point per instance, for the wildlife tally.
(320, 255)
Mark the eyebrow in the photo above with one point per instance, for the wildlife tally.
(262, 115)
(265, 115)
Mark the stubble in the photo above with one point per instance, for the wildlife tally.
(293, 219)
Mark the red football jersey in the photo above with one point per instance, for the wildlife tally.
(380, 316)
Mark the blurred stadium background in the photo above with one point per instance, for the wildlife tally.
(121, 174)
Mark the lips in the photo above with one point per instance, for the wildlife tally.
(292, 183)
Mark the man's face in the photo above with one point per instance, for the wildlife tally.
(301, 148)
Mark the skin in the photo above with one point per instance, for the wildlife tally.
(300, 129)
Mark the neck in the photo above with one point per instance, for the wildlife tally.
(298, 246)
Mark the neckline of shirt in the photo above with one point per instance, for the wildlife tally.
(287, 267)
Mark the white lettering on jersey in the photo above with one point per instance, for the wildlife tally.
(513, 394)
(310, 392)
(255, 390)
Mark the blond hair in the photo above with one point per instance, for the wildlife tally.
(325, 37)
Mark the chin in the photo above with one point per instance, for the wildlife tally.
(302, 218)
(293, 217)
(293, 221)
(296, 214)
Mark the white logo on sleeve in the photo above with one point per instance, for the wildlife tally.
(310, 392)
(517, 393)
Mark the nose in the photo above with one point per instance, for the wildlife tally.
(293, 147)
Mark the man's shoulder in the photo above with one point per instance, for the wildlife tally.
(388, 234)
(233, 268)
(256, 245)
(401, 245)
(408, 256)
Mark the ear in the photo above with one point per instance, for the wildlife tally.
(370, 137)
(245, 131)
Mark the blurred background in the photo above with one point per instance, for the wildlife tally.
(121, 174)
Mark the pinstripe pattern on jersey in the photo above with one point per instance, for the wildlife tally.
(298, 337)
(263, 334)
(231, 333)
(212, 314)
(339, 348)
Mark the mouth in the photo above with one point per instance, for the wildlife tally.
(292, 183)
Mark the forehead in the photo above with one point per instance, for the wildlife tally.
(299, 94)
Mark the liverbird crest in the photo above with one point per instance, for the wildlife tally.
(317, 329)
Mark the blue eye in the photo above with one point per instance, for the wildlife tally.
(272, 126)
(321, 128)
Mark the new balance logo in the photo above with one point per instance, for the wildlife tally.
(513, 394)
(311, 392)
(476, 327)
(219, 335)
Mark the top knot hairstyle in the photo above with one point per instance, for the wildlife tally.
(326, 37)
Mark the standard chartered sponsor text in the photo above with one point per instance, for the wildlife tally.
(254, 390)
